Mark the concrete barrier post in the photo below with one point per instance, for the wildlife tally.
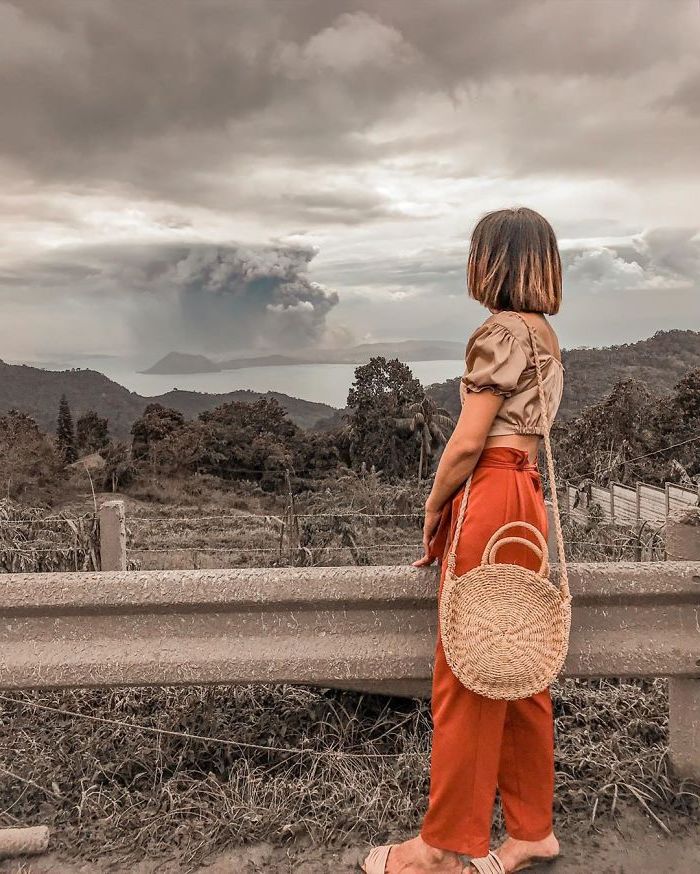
(112, 536)
(551, 532)
(683, 544)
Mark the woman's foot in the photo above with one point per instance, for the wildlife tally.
(417, 857)
(514, 853)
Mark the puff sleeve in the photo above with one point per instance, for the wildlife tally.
(494, 361)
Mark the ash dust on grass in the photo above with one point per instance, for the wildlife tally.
(140, 798)
(634, 846)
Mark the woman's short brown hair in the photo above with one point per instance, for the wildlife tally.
(514, 262)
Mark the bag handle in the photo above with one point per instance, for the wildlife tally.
(544, 566)
(563, 574)
(491, 546)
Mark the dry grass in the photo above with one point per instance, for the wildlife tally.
(591, 538)
(347, 520)
(131, 792)
(34, 539)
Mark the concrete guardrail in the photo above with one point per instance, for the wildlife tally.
(367, 628)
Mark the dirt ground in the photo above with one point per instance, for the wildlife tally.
(635, 847)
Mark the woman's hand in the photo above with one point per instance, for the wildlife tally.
(430, 526)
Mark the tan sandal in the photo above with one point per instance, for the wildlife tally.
(492, 864)
(376, 860)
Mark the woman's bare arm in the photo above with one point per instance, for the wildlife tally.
(464, 447)
(458, 459)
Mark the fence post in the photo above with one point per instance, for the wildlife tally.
(683, 544)
(112, 536)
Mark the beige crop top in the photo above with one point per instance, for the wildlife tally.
(499, 357)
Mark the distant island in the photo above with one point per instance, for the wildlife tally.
(181, 362)
(404, 350)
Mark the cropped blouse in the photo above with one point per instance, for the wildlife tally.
(499, 357)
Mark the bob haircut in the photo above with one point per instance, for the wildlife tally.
(514, 262)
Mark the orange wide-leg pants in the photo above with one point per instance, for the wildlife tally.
(480, 744)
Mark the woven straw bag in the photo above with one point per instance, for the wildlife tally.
(505, 628)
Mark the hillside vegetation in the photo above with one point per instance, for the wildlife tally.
(658, 362)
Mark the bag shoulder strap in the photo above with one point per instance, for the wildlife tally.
(563, 573)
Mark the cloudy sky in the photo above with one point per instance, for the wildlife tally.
(227, 176)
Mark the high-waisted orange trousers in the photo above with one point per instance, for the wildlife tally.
(480, 744)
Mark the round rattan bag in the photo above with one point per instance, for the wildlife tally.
(504, 627)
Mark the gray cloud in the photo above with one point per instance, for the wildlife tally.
(686, 96)
(196, 297)
(153, 94)
(659, 258)
(375, 131)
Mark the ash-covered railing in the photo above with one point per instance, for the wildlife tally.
(367, 628)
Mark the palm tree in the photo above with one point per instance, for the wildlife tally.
(431, 426)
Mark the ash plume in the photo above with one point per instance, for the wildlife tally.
(192, 297)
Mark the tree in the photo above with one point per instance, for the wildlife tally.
(431, 427)
(244, 440)
(319, 451)
(65, 435)
(30, 465)
(677, 422)
(155, 425)
(379, 393)
(92, 433)
(601, 443)
(119, 469)
(686, 401)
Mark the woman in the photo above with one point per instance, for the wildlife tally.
(481, 744)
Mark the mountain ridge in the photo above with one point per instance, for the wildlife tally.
(37, 392)
(659, 361)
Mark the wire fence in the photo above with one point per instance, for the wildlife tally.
(241, 745)
(195, 537)
(30, 540)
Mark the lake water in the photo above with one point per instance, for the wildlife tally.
(325, 383)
